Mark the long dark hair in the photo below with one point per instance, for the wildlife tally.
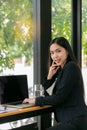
(65, 44)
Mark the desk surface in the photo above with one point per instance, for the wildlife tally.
(23, 110)
(24, 113)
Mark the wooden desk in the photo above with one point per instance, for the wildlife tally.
(25, 113)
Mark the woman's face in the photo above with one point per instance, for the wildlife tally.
(58, 54)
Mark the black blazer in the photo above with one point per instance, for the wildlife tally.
(67, 97)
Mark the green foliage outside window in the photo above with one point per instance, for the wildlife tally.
(84, 26)
(16, 28)
(16, 31)
(61, 18)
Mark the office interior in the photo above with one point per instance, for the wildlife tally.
(42, 35)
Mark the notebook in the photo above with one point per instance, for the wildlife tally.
(13, 90)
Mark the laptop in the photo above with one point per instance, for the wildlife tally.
(13, 90)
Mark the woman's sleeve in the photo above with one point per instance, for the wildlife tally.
(47, 83)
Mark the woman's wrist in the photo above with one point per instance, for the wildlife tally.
(49, 77)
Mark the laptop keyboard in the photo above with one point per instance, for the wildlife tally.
(24, 105)
(18, 104)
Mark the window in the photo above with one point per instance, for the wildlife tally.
(16, 38)
(84, 44)
(61, 18)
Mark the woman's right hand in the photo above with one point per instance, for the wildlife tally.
(52, 70)
(29, 100)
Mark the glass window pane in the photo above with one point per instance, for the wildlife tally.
(16, 38)
(61, 18)
(84, 44)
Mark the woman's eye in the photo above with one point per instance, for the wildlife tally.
(58, 50)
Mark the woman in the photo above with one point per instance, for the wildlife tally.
(68, 91)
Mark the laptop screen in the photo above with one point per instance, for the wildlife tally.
(13, 88)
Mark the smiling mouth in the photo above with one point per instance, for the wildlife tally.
(57, 61)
